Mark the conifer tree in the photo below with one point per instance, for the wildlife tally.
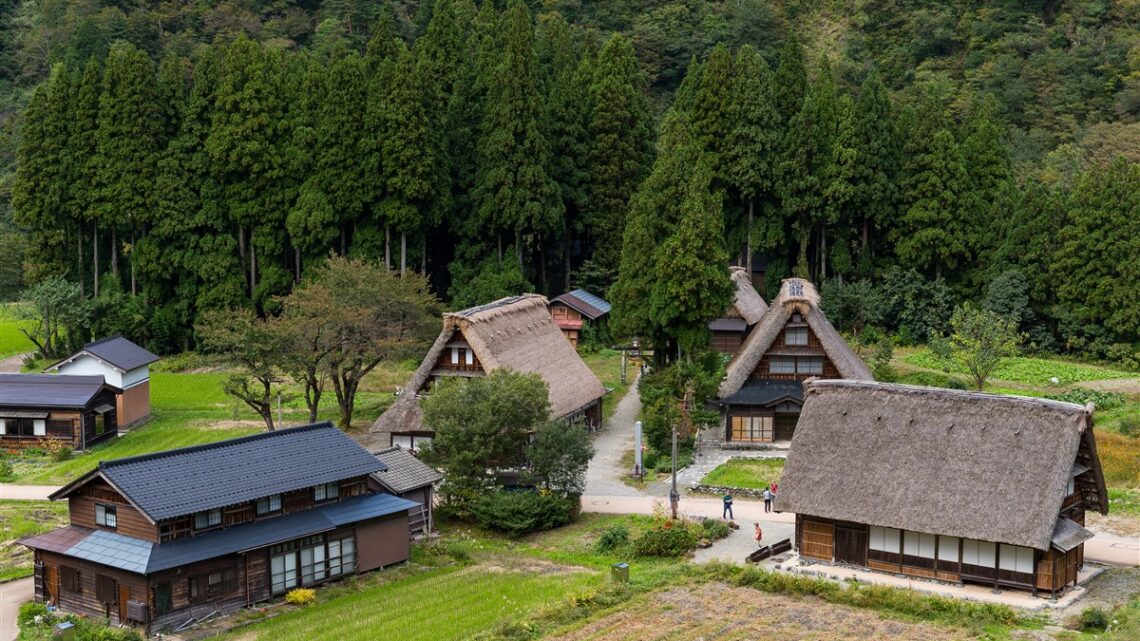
(986, 154)
(874, 195)
(171, 93)
(338, 125)
(712, 115)
(790, 83)
(83, 123)
(514, 190)
(932, 235)
(620, 146)
(128, 143)
(751, 148)
(39, 191)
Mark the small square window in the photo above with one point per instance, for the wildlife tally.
(269, 504)
(325, 492)
(105, 515)
(796, 336)
(207, 519)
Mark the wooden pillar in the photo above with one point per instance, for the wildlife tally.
(997, 564)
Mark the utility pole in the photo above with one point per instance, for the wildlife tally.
(674, 496)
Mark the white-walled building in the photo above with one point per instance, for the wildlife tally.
(122, 364)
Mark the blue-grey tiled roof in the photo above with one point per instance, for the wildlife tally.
(179, 482)
(590, 305)
(405, 471)
(120, 352)
(48, 390)
(144, 557)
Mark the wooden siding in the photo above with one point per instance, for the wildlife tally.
(132, 586)
(726, 342)
(817, 540)
(780, 347)
(129, 521)
(133, 405)
(560, 311)
(381, 542)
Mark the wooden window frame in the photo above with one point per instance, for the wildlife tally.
(209, 515)
(321, 493)
(103, 583)
(783, 360)
(107, 510)
(267, 501)
(797, 332)
(69, 579)
(212, 585)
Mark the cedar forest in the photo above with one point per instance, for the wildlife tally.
(174, 158)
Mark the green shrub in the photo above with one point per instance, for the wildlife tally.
(649, 460)
(932, 379)
(33, 451)
(1082, 396)
(1129, 426)
(1093, 619)
(614, 537)
(29, 612)
(518, 513)
(301, 596)
(714, 529)
(671, 539)
(6, 471)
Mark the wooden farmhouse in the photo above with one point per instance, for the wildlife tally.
(573, 309)
(943, 484)
(78, 410)
(164, 539)
(515, 332)
(122, 364)
(748, 307)
(408, 477)
(761, 396)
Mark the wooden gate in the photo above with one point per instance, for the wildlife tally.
(818, 540)
(851, 544)
(124, 597)
(51, 584)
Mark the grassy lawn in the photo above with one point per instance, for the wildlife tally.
(606, 365)
(19, 519)
(12, 341)
(1026, 369)
(753, 474)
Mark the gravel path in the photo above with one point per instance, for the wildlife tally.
(12, 595)
(603, 476)
(13, 363)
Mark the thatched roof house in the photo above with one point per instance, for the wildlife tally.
(515, 332)
(943, 483)
(729, 331)
(760, 395)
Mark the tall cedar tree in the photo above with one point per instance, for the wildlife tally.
(691, 284)
(875, 179)
(791, 83)
(933, 233)
(514, 190)
(339, 121)
(128, 143)
(750, 151)
(39, 191)
(1095, 269)
(987, 154)
(83, 122)
(712, 115)
(621, 150)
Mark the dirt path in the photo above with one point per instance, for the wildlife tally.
(12, 595)
(13, 363)
(717, 611)
(603, 476)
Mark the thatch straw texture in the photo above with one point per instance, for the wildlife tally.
(800, 295)
(517, 333)
(967, 464)
(746, 301)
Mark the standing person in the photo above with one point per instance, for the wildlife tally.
(757, 534)
(726, 513)
(767, 494)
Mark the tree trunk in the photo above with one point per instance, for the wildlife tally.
(95, 256)
(252, 266)
(542, 267)
(387, 247)
(423, 255)
(566, 260)
(518, 247)
(866, 233)
(114, 250)
(343, 241)
(297, 264)
(79, 258)
(134, 289)
(403, 253)
(241, 241)
(748, 240)
(823, 254)
(500, 236)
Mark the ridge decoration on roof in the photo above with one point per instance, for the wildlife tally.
(796, 295)
(515, 332)
(183, 481)
(116, 351)
(969, 464)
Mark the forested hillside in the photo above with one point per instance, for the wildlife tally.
(176, 157)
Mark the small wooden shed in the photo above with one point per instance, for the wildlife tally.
(572, 310)
(409, 478)
(122, 364)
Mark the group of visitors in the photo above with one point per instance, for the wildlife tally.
(769, 495)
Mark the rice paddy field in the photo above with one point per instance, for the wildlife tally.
(12, 341)
(746, 473)
(19, 519)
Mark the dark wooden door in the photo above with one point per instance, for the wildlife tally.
(51, 580)
(851, 544)
(124, 596)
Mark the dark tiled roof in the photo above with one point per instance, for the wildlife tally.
(587, 304)
(183, 481)
(137, 555)
(765, 391)
(727, 325)
(120, 352)
(49, 390)
(405, 471)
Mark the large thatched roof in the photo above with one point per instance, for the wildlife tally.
(799, 295)
(968, 464)
(517, 333)
(746, 301)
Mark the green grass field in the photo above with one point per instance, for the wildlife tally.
(12, 341)
(606, 365)
(19, 519)
(754, 474)
(1025, 369)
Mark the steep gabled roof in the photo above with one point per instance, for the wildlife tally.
(589, 305)
(116, 351)
(517, 333)
(746, 301)
(799, 295)
(50, 390)
(405, 471)
(178, 482)
(967, 464)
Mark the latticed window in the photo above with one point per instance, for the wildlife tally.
(796, 336)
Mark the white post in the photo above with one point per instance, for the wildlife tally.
(637, 448)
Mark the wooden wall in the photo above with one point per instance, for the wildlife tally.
(382, 542)
(133, 405)
(130, 522)
(128, 584)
